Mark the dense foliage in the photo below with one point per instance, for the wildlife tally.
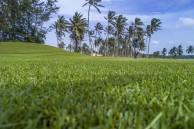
(58, 89)
(23, 20)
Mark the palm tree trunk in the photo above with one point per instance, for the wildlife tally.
(107, 40)
(149, 47)
(116, 45)
(90, 42)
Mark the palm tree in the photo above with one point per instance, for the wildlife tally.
(98, 32)
(109, 31)
(173, 52)
(156, 54)
(119, 24)
(190, 50)
(78, 29)
(164, 52)
(110, 17)
(155, 26)
(60, 26)
(180, 50)
(137, 36)
(97, 43)
(95, 4)
(130, 32)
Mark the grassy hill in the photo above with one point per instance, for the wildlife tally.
(42, 87)
(32, 49)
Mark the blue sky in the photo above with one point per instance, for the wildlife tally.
(177, 18)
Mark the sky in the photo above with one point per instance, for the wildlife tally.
(177, 18)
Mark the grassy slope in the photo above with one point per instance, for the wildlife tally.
(43, 87)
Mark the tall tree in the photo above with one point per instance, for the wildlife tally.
(119, 24)
(154, 26)
(77, 28)
(96, 5)
(110, 17)
(61, 27)
(137, 36)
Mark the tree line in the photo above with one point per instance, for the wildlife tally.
(175, 52)
(123, 38)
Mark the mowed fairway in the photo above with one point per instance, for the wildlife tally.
(43, 87)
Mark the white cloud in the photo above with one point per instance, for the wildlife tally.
(187, 21)
(155, 42)
(182, 2)
(106, 0)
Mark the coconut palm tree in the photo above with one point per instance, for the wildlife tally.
(137, 33)
(190, 50)
(164, 52)
(98, 31)
(97, 43)
(77, 28)
(155, 26)
(173, 52)
(156, 54)
(110, 17)
(60, 26)
(130, 32)
(119, 25)
(180, 50)
(96, 5)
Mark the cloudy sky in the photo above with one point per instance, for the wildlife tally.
(177, 18)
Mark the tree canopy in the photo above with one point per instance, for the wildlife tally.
(23, 20)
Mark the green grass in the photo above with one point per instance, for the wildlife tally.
(44, 87)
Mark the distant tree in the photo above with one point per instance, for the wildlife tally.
(190, 50)
(96, 5)
(110, 30)
(98, 31)
(180, 50)
(164, 51)
(156, 54)
(85, 49)
(173, 52)
(77, 29)
(61, 27)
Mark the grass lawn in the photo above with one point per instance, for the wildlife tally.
(43, 87)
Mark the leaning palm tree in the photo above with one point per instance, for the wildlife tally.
(119, 24)
(96, 5)
(77, 28)
(155, 26)
(60, 26)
